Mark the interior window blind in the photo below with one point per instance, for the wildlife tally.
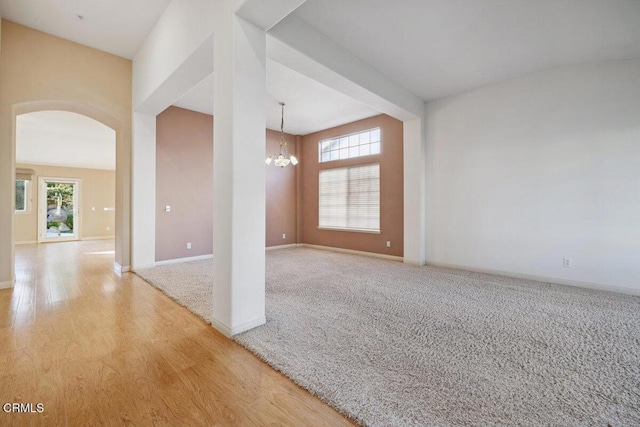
(350, 198)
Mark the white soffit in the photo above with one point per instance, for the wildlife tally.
(310, 106)
(436, 48)
(199, 98)
(115, 26)
(61, 138)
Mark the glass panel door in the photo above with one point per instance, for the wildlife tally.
(58, 211)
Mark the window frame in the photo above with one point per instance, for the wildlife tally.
(349, 147)
(352, 229)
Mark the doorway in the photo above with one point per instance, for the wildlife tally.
(59, 209)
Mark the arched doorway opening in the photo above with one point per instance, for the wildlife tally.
(65, 178)
(122, 169)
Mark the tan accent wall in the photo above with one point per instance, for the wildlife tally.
(391, 189)
(281, 194)
(97, 191)
(40, 71)
(184, 181)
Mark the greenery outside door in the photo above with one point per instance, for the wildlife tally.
(58, 209)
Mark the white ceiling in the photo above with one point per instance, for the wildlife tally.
(114, 26)
(310, 106)
(433, 48)
(61, 138)
(436, 48)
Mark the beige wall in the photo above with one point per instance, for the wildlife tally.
(97, 191)
(391, 189)
(184, 181)
(39, 71)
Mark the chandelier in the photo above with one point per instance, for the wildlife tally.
(283, 158)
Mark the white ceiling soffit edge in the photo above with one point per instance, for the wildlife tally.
(310, 105)
(159, 68)
(196, 68)
(265, 14)
(303, 49)
(199, 98)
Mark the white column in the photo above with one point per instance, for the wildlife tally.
(143, 191)
(239, 176)
(415, 237)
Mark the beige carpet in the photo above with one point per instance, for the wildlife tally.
(394, 345)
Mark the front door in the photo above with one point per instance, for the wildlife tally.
(58, 209)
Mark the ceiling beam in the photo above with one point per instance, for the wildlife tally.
(266, 14)
(195, 68)
(300, 47)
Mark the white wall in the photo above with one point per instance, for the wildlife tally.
(525, 172)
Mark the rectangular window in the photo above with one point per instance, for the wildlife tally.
(21, 195)
(350, 198)
(349, 146)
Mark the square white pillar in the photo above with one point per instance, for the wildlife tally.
(143, 191)
(415, 237)
(239, 176)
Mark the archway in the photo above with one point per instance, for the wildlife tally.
(123, 168)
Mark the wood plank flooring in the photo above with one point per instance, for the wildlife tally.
(98, 349)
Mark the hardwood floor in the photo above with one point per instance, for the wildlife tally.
(98, 349)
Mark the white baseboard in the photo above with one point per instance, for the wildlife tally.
(135, 268)
(229, 332)
(353, 252)
(222, 328)
(291, 245)
(119, 269)
(26, 242)
(547, 279)
(6, 285)
(188, 259)
(171, 261)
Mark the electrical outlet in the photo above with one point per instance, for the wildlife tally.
(388, 243)
(167, 208)
(284, 236)
(188, 245)
(567, 262)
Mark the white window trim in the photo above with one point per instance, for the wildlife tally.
(347, 136)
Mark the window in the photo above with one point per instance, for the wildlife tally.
(348, 146)
(21, 195)
(350, 198)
